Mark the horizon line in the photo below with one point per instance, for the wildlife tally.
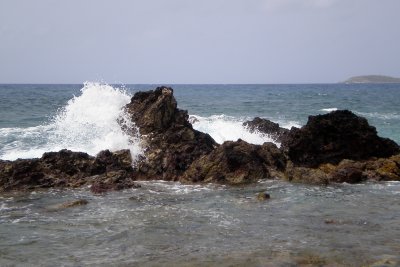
(102, 82)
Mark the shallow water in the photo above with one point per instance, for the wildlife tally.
(169, 224)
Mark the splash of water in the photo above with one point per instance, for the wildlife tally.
(88, 123)
(225, 128)
(328, 109)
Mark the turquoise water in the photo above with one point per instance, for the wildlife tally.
(170, 224)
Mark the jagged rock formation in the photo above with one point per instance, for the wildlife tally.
(268, 127)
(171, 144)
(68, 169)
(335, 136)
(237, 163)
(336, 147)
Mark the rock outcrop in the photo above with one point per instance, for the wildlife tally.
(336, 147)
(347, 171)
(171, 144)
(237, 163)
(65, 168)
(268, 127)
(335, 136)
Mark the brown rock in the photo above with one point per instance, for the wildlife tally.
(306, 175)
(387, 169)
(171, 144)
(348, 171)
(263, 196)
(68, 169)
(236, 163)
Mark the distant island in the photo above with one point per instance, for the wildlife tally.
(372, 79)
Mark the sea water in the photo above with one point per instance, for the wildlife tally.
(171, 224)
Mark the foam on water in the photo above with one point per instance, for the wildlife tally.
(225, 128)
(88, 123)
(382, 116)
(329, 109)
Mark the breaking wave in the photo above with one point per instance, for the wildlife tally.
(328, 109)
(226, 128)
(88, 123)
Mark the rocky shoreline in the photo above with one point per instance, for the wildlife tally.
(332, 148)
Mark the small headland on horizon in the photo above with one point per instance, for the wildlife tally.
(372, 79)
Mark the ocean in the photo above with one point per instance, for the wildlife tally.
(170, 224)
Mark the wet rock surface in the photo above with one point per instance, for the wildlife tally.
(67, 205)
(333, 148)
(335, 136)
(171, 144)
(268, 127)
(68, 169)
(263, 196)
(347, 171)
(237, 163)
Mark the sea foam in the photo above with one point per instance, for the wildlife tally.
(328, 109)
(226, 128)
(381, 116)
(87, 123)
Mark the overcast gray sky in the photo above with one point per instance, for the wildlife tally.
(202, 41)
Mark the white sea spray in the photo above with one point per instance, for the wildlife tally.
(226, 128)
(328, 109)
(89, 123)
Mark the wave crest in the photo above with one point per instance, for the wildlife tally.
(87, 123)
(225, 128)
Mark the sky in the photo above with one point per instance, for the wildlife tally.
(202, 41)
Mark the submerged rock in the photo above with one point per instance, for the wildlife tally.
(386, 262)
(263, 196)
(335, 136)
(69, 204)
(237, 163)
(171, 144)
(268, 127)
(68, 169)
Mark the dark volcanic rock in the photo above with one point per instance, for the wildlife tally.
(267, 127)
(68, 169)
(335, 136)
(107, 161)
(237, 163)
(171, 144)
(336, 147)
